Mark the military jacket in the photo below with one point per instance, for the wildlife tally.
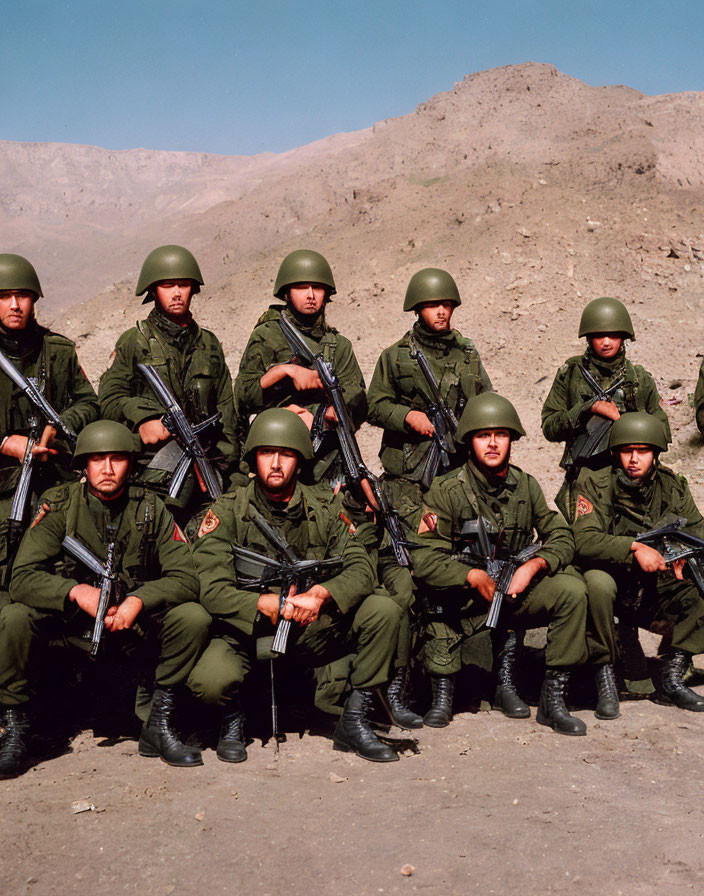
(267, 347)
(52, 359)
(190, 360)
(514, 505)
(612, 509)
(699, 400)
(153, 558)
(567, 408)
(398, 386)
(312, 525)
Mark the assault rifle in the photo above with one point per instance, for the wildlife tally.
(500, 562)
(441, 416)
(594, 440)
(186, 437)
(34, 394)
(358, 474)
(670, 539)
(108, 582)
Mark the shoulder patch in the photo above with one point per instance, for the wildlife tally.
(428, 522)
(178, 534)
(41, 513)
(209, 524)
(584, 506)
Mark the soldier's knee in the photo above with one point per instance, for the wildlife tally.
(601, 589)
(379, 610)
(189, 620)
(17, 621)
(217, 674)
(572, 592)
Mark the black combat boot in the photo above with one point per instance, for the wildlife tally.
(353, 733)
(395, 698)
(231, 746)
(552, 710)
(607, 693)
(13, 741)
(159, 737)
(506, 697)
(440, 713)
(674, 665)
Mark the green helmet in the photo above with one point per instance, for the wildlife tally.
(303, 266)
(431, 285)
(105, 436)
(168, 263)
(279, 428)
(17, 273)
(606, 316)
(489, 411)
(638, 428)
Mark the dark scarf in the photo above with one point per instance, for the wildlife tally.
(438, 342)
(23, 345)
(181, 337)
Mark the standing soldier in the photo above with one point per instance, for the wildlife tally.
(402, 403)
(49, 361)
(614, 506)
(54, 597)
(511, 502)
(699, 400)
(338, 613)
(270, 376)
(191, 363)
(592, 390)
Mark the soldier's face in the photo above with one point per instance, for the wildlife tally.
(107, 473)
(307, 298)
(276, 469)
(16, 308)
(492, 448)
(436, 315)
(636, 460)
(606, 345)
(174, 297)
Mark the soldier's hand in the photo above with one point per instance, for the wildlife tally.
(305, 607)
(303, 413)
(524, 575)
(87, 597)
(268, 605)
(42, 448)
(15, 446)
(483, 582)
(606, 409)
(330, 415)
(678, 567)
(648, 558)
(419, 421)
(303, 378)
(123, 616)
(151, 432)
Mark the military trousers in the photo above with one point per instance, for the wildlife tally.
(370, 632)
(181, 634)
(664, 604)
(557, 601)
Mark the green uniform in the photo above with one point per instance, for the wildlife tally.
(514, 505)
(612, 509)
(398, 386)
(153, 562)
(567, 409)
(191, 362)
(52, 360)
(356, 619)
(699, 400)
(267, 347)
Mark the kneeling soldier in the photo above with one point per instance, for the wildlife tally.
(510, 503)
(334, 613)
(614, 507)
(131, 531)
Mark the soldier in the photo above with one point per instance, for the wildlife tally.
(699, 400)
(545, 592)
(576, 414)
(269, 376)
(614, 505)
(331, 618)
(191, 362)
(399, 399)
(52, 601)
(50, 360)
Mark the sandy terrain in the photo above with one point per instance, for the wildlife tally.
(538, 193)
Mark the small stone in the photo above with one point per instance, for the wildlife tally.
(82, 806)
(336, 779)
(515, 802)
(199, 816)
(407, 870)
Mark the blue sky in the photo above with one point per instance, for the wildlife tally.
(239, 78)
